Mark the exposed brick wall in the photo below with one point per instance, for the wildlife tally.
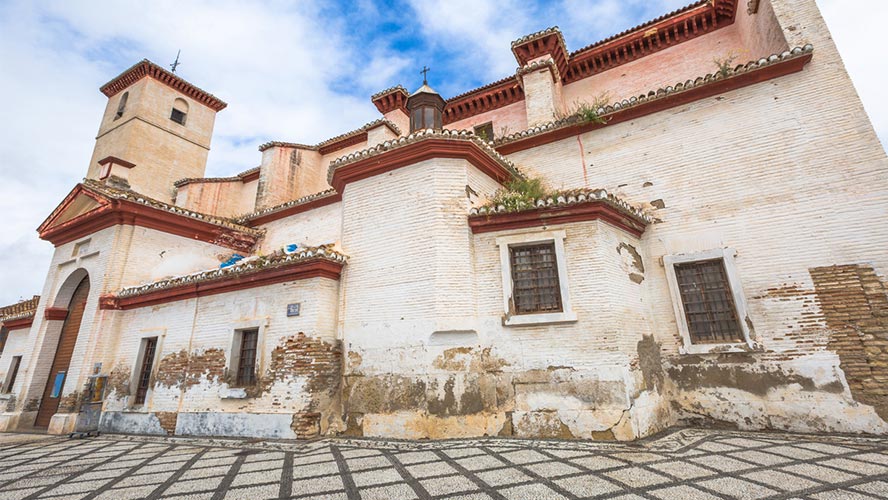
(168, 421)
(854, 302)
(320, 363)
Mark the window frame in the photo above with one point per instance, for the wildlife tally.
(184, 114)
(504, 243)
(140, 368)
(238, 363)
(727, 256)
(232, 389)
(15, 365)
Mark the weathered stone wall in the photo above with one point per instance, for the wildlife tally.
(797, 194)
(316, 227)
(298, 363)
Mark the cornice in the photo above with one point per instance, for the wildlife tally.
(146, 68)
(417, 147)
(661, 99)
(575, 206)
(248, 273)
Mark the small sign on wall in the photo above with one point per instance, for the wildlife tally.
(293, 309)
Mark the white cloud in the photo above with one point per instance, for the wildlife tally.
(479, 32)
(280, 66)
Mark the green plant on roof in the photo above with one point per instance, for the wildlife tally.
(519, 193)
(587, 112)
(725, 63)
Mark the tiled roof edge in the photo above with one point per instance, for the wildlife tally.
(568, 199)
(245, 266)
(421, 135)
(135, 197)
(658, 94)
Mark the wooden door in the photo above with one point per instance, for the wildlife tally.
(49, 404)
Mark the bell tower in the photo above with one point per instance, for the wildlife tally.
(156, 130)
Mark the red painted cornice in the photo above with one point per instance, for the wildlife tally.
(300, 270)
(55, 313)
(18, 324)
(668, 101)
(654, 36)
(666, 31)
(416, 152)
(493, 96)
(594, 210)
(116, 161)
(112, 212)
(146, 68)
(295, 209)
(343, 143)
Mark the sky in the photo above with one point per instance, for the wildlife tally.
(293, 71)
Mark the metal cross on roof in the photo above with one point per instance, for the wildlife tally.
(176, 63)
(425, 71)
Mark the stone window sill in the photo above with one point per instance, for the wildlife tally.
(233, 393)
(540, 319)
(719, 348)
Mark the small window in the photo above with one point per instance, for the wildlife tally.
(246, 359)
(179, 112)
(121, 106)
(535, 286)
(709, 306)
(485, 131)
(143, 381)
(13, 372)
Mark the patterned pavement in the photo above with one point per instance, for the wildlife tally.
(682, 464)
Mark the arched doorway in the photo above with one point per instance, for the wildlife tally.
(52, 394)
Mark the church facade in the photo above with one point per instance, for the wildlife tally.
(680, 224)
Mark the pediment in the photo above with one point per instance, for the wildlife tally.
(79, 202)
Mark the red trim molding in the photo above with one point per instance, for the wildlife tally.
(594, 210)
(414, 153)
(343, 143)
(18, 324)
(313, 268)
(295, 209)
(55, 313)
(116, 161)
(680, 26)
(487, 98)
(395, 98)
(675, 99)
(114, 212)
(667, 31)
(252, 175)
(146, 68)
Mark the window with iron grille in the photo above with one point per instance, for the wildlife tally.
(246, 363)
(535, 286)
(13, 372)
(143, 383)
(708, 302)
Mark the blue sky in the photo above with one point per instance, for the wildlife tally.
(293, 71)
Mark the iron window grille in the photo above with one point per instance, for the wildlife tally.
(246, 366)
(535, 285)
(144, 381)
(708, 303)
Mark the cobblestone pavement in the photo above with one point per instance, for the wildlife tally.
(683, 464)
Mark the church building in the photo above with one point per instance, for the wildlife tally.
(682, 224)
